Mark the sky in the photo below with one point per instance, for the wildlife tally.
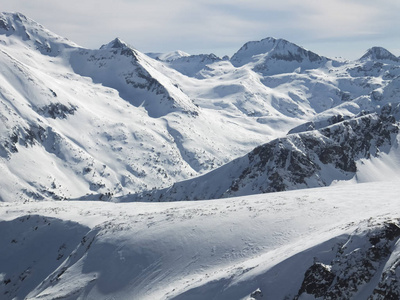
(334, 28)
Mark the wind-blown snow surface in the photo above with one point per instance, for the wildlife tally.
(340, 241)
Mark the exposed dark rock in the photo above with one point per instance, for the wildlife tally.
(4, 24)
(353, 268)
(57, 110)
(317, 280)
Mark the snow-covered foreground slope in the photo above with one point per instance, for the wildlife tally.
(339, 242)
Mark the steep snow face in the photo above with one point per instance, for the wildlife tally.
(340, 241)
(134, 75)
(379, 53)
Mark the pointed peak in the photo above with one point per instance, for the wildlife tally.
(272, 48)
(32, 33)
(116, 43)
(7, 19)
(379, 53)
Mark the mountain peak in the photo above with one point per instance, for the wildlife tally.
(32, 33)
(379, 53)
(272, 48)
(116, 43)
(10, 21)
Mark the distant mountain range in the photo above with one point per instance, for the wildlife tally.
(115, 123)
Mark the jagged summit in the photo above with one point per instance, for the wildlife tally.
(379, 53)
(272, 48)
(116, 43)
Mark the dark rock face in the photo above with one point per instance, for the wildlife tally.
(317, 280)
(4, 24)
(26, 137)
(57, 110)
(356, 263)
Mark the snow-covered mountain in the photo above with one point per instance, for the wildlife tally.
(379, 53)
(275, 56)
(116, 123)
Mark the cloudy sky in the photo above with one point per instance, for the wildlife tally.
(345, 28)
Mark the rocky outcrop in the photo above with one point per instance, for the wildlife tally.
(356, 263)
(57, 110)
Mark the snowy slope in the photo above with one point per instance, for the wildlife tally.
(340, 242)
